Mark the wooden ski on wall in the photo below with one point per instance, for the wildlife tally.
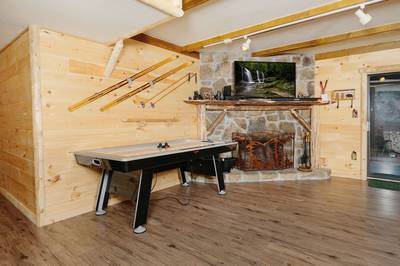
(120, 84)
(145, 86)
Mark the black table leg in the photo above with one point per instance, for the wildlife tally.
(219, 174)
(102, 198)
(183, 177)
(142, 202)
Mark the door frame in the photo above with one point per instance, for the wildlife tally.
(365, 72)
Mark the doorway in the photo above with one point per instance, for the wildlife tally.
(384, 127)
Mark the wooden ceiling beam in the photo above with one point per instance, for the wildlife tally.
(358, 50)
(189, 4)
(274, 23)
(327, 40)
(163, 44)
(186, 5)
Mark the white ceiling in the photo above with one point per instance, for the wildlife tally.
(97, 20)
(211, 20)
(222, 16)
(107, 20)
(385, 13)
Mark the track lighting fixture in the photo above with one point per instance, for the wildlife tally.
(226, 41)
(364, 18)
(246, 44)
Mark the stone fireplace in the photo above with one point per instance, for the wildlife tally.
(216, 71)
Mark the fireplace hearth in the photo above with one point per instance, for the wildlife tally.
(269, 150)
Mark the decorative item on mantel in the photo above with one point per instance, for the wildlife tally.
(206, 93)
(324, 95)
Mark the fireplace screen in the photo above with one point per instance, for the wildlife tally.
(270, 150)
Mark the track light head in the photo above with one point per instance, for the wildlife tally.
(362, 16)
(226, 41)
(246, 44)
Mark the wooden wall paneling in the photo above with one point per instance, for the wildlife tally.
(17, 177)
(340, 133)
(358, 50)
(71, 69)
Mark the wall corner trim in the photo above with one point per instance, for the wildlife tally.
(34, 51)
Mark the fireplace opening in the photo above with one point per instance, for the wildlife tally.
(269, 150)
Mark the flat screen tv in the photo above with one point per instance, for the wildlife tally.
(265, 79)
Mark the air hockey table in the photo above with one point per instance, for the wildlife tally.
(151, 158)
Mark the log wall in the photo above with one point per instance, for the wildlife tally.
(339, 133)
(17, 178)
(72, 69)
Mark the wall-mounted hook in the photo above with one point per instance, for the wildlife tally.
(355, 113)
(130, 81)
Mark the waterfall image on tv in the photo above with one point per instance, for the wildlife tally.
(265, 79)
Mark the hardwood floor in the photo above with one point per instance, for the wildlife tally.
(336, 222)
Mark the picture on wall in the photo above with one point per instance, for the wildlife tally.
(265, 79)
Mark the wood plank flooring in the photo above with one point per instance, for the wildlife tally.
(335, 222)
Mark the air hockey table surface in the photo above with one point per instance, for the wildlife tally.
(150, 150)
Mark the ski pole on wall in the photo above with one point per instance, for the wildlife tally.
(178, 83)
(147, 85)
(120, 84)
(177, 86)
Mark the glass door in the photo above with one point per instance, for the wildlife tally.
(384, 126)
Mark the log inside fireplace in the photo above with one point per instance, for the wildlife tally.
(269, 150)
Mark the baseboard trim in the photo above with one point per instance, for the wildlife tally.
(21, 207)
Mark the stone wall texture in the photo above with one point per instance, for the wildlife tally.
(216, 71)
(258, 121)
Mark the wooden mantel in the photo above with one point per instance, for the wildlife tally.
(255, 104)
(250, 105)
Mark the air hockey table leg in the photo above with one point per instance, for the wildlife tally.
(142, 202)
(183, 177)
(102, 198)
(219, 174)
